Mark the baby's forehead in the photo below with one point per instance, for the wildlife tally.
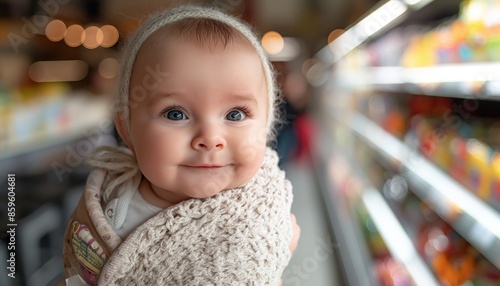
(162, 46)
(206, 33)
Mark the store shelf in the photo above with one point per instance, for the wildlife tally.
(47, 141)
(465, 80)
(475, 220)
(399, 244)
(91, 115)
(354, 254)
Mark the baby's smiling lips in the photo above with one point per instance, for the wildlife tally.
(206, 166)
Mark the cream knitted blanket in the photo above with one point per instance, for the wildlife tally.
(238, 237)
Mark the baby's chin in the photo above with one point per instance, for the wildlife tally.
(212, 189)
(201, 186)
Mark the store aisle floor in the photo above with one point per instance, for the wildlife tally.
(314, 262)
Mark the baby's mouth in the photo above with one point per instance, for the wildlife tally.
(206, 166)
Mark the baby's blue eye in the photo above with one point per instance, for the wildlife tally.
(175, 114)
(235, 115)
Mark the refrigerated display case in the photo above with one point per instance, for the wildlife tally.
(409, 154)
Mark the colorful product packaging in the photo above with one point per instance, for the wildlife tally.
(478, 168)
(495, 181)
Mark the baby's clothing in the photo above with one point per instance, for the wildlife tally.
(129, 210)
(240, 236)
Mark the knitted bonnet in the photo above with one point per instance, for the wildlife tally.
(167, 17)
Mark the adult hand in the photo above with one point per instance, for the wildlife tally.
(296, 234)
(295, 239)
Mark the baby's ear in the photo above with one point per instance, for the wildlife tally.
(123, 131)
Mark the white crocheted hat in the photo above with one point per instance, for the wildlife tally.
(164, 18)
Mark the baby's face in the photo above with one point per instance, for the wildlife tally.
(200, 127)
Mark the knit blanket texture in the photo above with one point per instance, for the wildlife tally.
(240, 236)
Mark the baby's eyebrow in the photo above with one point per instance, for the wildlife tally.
(247, 98)
(243, 97)
(157, 95)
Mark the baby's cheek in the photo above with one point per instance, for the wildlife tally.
(254, 144)
(251, 151)
(153, 155)
(253, 158)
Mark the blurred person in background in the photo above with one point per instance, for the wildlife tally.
(295, 131)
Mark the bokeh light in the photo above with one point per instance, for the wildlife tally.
(273, 42)
(93, 37)
(110, 36)
(58, 71)
(55, 30)
(75, 35)
(108, 68)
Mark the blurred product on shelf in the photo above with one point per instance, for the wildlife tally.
(466, 157)
(461, 143)
(458, 152)
(495, 180)
(349, 187)
(38, 115)
(482, 23)
(32, 112)
(392, 273)
(478, 168)
(471, 36)
(453, 259)
(376, 243)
